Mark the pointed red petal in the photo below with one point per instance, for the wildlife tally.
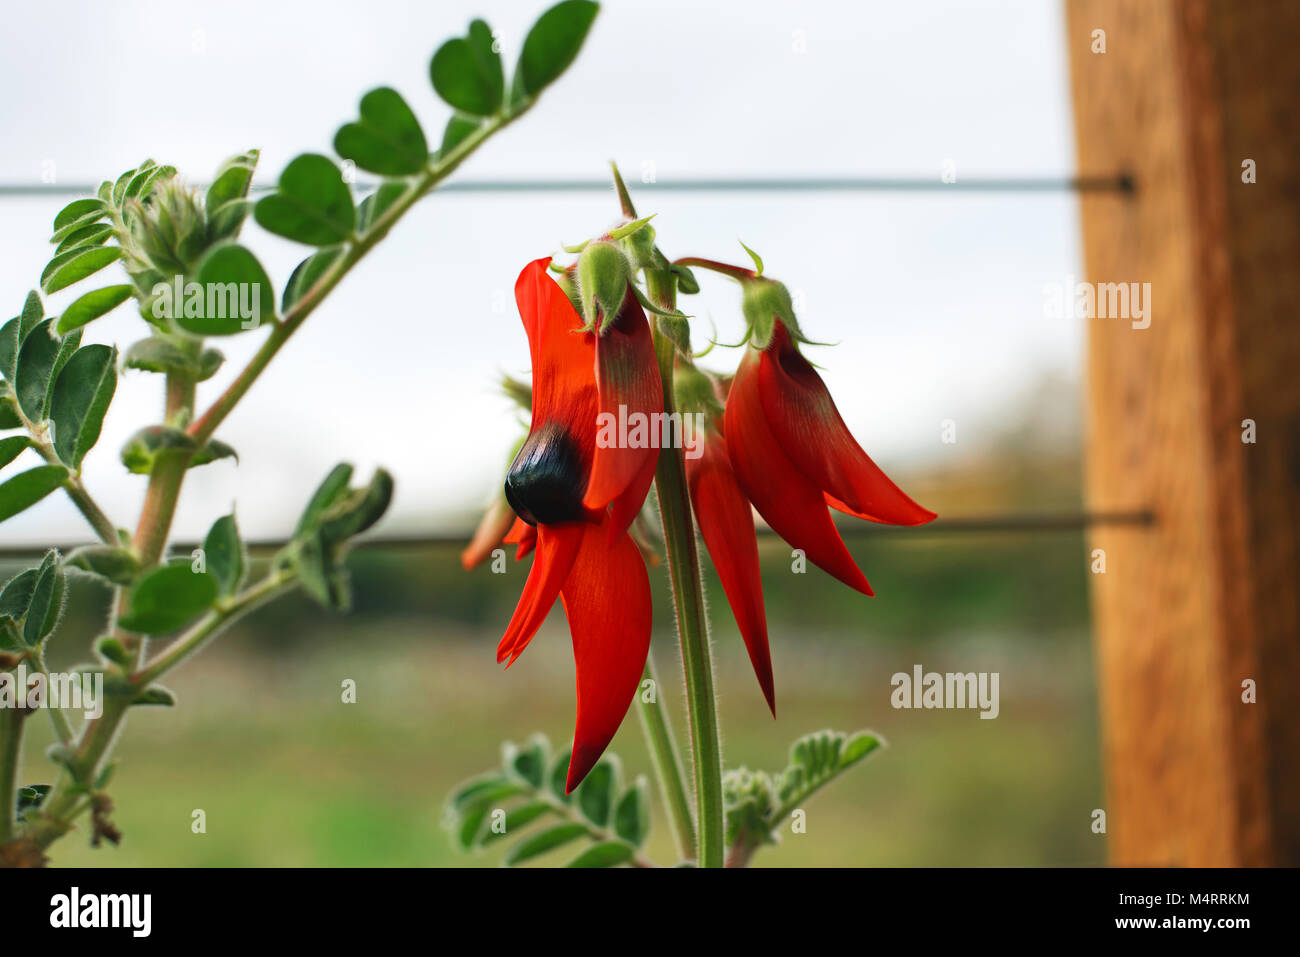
(523, 535)
(557, 545)
(804, 420)
(790, 503)
(727, 525)
(607, 600)
(627, 376)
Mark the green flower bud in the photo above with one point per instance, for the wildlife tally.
(603, 274)
(169, 232)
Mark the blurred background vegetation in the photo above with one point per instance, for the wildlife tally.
(287, 774)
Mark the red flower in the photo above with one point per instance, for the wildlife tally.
(727, 524)
(794, 456)
(581, 499)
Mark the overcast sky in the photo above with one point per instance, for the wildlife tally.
(936, 298)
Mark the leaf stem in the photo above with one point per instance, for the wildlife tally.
(57, 717)
(739, 273)
(688, 602)
(667, 764)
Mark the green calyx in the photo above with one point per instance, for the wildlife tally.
(695, 390)
(763, 302)
(603, 276)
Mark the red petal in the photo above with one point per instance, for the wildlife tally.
(488, 535)
(727, 525)
(564, 389)
(627, 376)
(557, 545)
(790, 503)
(607, 600)
(523, 535)
(804, 420)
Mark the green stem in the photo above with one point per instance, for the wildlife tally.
(667, 764)
(61, 804)
(688, 601)
(11, 750)
(100, 522)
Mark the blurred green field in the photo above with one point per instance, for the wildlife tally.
(289, 775)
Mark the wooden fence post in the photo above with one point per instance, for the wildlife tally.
(1195, 99)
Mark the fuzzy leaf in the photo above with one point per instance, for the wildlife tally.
(81, 396)
(168, 597)
(553, 43)
(237, 294)
(96, 234)
(27, 488)
(81, 262)
(37, 359)
(312, 204)
(377, 203)
(517, 818)
(224, 552)
(597, 791)
(47, 600)
(543, 841)
(387, 140)
(604, 854)
(116, 565)
(334, 487)
(466, 72)
(12, 447)
(91, 306)
(307, 272)
(78, 209)
(632, 814)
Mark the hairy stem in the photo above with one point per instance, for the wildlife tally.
(57, 717)
(11, 750)
(688, 601)
(726, 269)
(667, 765)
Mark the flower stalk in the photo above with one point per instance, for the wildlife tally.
(667, 765)
(688, 602)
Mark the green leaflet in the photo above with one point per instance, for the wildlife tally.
(504, 806)
(312, 204)
(81, 396)
(167, 598)
(387, 139)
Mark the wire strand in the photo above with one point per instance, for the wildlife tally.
(1015, 523)
(1116, 183)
